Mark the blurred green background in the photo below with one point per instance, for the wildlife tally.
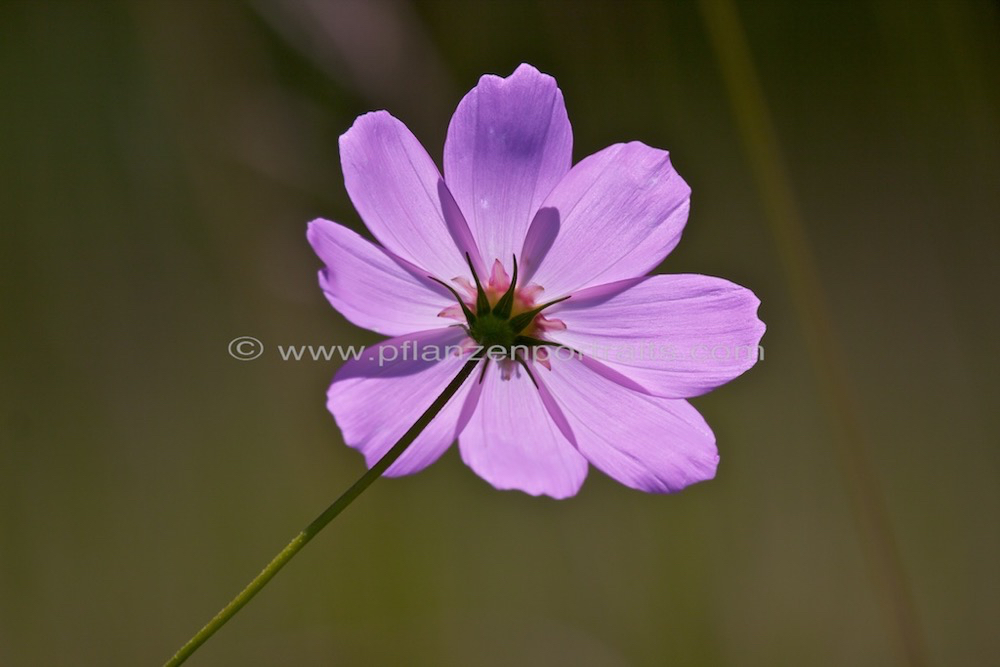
(159, 161)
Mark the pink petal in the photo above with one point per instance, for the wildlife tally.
(400, 195)
(365, 284)
(512, 442)
(375, 402)
(508, 145)
(652, 444)
(676, 336)
(615, 215)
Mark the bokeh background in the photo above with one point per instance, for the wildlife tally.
(158, 162)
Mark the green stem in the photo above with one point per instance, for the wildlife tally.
(323, 519)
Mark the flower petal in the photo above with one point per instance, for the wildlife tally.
(399, 193)
(513, 443)
(368, 287)
(379, 396)
(649, 443)
(508, 145)
(676, 336)
(615, 215)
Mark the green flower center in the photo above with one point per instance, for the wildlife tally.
(491, 330)
(494, 327)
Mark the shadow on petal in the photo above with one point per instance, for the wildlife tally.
(594, 296)
(540, 237)
(404, 355)
(459, 228)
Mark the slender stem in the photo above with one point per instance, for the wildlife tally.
(323, 519)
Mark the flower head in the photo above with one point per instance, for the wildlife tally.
(541, 264)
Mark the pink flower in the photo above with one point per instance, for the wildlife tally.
(601, 376)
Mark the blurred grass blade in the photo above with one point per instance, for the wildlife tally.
(760, 142)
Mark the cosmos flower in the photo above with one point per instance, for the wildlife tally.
(518, 250)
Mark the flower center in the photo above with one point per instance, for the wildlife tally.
(500, 317)
(490, 330)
